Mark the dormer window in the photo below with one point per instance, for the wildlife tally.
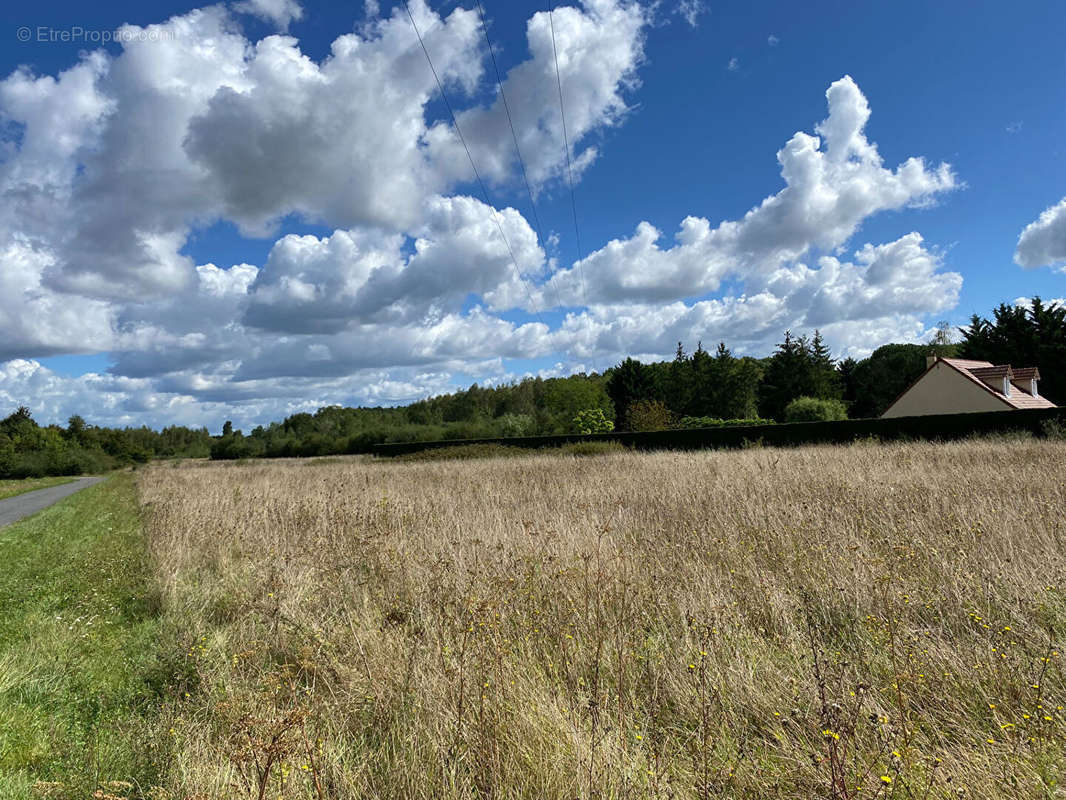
(1025, 379)
(996, 378)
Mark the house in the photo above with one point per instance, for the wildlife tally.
(958, 386)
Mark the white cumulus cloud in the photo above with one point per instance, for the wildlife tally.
(119, 159)
(599, 48)
(462, 247)
(832, 184)
(279, 12)
(1043, 242)
(406, 283)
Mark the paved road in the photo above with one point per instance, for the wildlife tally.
(22, 505)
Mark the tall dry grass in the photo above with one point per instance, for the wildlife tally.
(864, 621)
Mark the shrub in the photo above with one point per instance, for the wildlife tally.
(1052, 429)
(814, 409)
(592, 420)
(649, 415)
(474, 429)
(234, 447)
(515, 424)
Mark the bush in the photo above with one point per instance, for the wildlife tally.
(515, 424)
(649, 415)
(813, 409)
(1052, 429)
(475, 429)
(592, 420)
(234, 447)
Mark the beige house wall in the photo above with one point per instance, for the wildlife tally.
(943, 390)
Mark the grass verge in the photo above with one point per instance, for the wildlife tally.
(12, 488)
(81, 681)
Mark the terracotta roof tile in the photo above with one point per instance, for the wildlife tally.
(998, 371)
(966, 363)
(1022, 399)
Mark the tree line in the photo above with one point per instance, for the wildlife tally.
(801, 380)
(29, 450)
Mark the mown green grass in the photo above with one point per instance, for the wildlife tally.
(12, 488)
(81, 679)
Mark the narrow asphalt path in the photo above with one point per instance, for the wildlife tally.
(22, 505)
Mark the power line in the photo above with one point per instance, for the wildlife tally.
(473, 166)
(514, 135)
(569, 166)
(566, 140)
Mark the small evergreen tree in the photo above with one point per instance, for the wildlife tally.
(630, 382)
(799, 368)
(680, 387)
(782, 380)
(824, 380)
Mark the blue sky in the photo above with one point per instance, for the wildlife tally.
(216, 223)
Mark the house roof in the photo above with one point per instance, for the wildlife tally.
(966, 363)
(985, 373)
(1026, 373)
(1022, 399)
(979, 371)
(972, 369)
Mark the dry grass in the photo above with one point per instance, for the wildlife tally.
(870, 621)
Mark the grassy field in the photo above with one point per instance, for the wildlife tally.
(867, 621)
(12, 488)
(80, 670)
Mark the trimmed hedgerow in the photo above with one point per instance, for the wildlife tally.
(937, 426)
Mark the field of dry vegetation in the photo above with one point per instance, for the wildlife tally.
(843, 622)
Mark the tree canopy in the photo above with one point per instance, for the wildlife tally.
(1033, 336)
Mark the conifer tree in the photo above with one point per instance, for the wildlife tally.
(630, 382)
(1023, 337)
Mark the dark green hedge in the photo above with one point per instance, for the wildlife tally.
(938, 426)
(690, 423)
